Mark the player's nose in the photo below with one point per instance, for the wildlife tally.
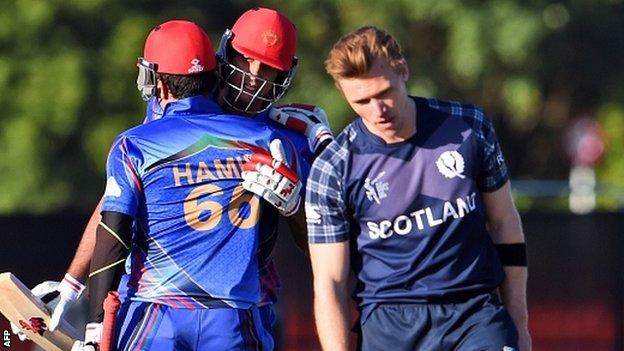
(254, 69)
(379, 108)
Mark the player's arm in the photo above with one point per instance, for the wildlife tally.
(330, 266)
(72, 284)
(327, 218)
(298, 230)
(113, 236)
(505, 227)
(79, 266)
(312, 122)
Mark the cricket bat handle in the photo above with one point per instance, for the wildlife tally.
(111, 306)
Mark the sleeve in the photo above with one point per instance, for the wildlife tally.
(326, 210)
(112, 244)
(123, 183)
(494, 172)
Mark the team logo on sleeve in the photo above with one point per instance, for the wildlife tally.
(312, 214)
(112, 188)
(376, 190)
(451, 164)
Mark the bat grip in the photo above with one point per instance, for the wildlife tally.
(111, 306)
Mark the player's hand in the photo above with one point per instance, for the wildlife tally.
(270, 178)
(69, 291)
(93, 334)
(309, 120)
(46, 292)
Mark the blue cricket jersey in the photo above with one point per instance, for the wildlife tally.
(197, 231)
(412, 211)
(269, 279)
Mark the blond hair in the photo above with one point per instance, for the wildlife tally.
(354, 53)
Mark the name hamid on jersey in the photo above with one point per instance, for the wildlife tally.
(422, 218)
(189, 174)
(193, 174)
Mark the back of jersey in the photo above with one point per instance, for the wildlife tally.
(196, 230)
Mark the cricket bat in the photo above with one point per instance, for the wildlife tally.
(23, 308)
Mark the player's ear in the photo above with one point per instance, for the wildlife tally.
(403, 70)
(162, 91)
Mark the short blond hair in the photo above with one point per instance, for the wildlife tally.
(354, 53)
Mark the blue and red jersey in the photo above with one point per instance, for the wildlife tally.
(269, 279)
(197, 231)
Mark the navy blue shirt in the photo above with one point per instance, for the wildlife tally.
(412, 211)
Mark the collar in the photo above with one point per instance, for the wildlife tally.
(194, 105)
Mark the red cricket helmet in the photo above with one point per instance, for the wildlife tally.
(265, 35)
(179, 47)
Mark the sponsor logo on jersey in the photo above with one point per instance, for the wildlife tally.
(112, 188)
(451, 164)
(422, 218)
(312, 214)
(376, 190)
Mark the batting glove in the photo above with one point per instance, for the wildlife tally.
(308, 120)
(269, 177)
(93, 334)
(69, 290)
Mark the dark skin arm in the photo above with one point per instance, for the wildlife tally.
(298, 230)
(79, 267)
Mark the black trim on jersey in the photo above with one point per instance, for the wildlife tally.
(113, 236)
(512, 254)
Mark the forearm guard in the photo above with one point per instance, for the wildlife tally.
(113, 236)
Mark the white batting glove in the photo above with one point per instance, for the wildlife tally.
(308, 120)
(269, 177)
(93, 335)
(70, 290)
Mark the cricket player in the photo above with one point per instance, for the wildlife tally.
(307, 128)
(414, 198)
(175, 203)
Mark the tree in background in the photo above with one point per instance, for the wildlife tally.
(67, 71)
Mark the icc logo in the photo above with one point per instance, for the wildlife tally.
(376, 190)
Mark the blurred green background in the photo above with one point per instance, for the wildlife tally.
(67, 80)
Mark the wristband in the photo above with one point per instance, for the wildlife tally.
(70, 288)
(512, 254)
